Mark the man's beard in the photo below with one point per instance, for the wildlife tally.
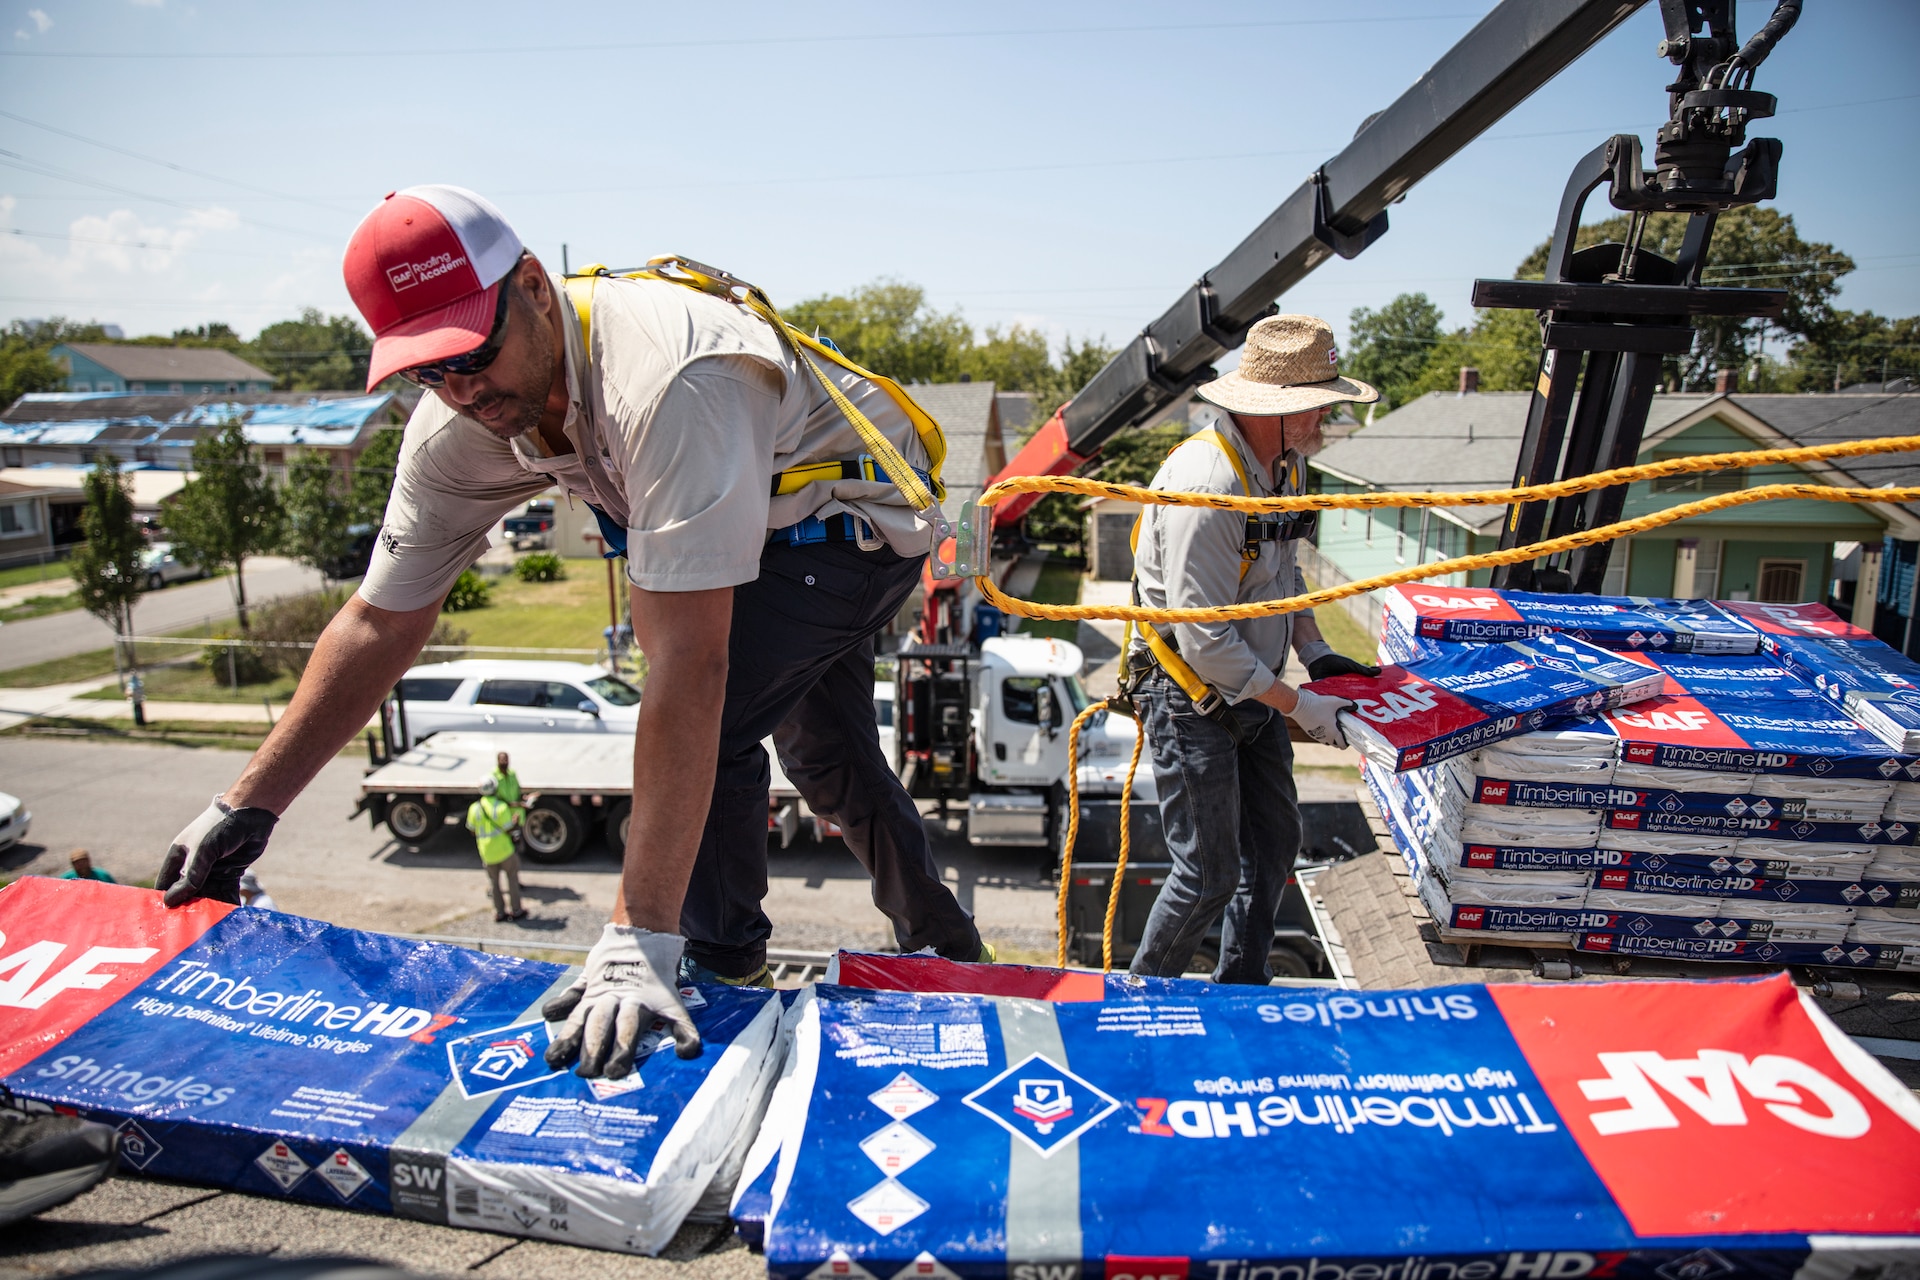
(522, 415)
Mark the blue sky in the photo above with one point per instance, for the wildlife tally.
(1071, 166)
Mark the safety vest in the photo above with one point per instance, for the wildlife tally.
(491, 821)
(1260, 528)
(923, 491)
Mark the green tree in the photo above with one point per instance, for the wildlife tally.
(319, 509)
(373, 476)
(25, 368)
(1065, 379)
(1503, 345)
(1855, 346)
(313, 353)
(107, 567)
(1390, 348)
(1016, 360)
(228, 511)
(1751, 246)
(887, 326)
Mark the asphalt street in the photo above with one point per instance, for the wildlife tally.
(61, 635)
(125, 802)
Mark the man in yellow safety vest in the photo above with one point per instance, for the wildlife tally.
(492, 821)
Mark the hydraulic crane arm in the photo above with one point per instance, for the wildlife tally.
(1342, 208)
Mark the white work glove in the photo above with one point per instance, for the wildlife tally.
(1318, 714)
(628, 983)
(207, 858)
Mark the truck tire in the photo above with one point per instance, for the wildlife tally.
(554, 830)
(414, 819)
(619, 813)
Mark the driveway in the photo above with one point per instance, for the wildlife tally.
(61, 635)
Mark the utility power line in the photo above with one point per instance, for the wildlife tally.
(397, 49)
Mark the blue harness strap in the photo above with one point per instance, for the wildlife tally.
(612, 532)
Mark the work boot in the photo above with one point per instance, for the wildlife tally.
(48, 1159)
(692, 971)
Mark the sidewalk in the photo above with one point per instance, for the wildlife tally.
(17, 706)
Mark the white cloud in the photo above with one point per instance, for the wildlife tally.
(119, 243)
(41, 23)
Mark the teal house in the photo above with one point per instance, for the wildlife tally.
(118, 368)
(1774, 551)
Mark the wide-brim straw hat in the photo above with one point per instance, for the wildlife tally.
(1290, 364)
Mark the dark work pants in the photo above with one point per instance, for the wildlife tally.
(1232, 824)
(800, 667)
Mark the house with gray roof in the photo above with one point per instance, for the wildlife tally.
(969, 416)
(124, 367)
(1774, 551)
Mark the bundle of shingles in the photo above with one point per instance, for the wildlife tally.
(1740, 814)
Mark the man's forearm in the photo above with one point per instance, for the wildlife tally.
(359, 657)
(676, 744)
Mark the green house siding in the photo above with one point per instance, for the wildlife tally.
(1740, 566)
(1650, 567)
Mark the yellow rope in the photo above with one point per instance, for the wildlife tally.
(1438, 568)
(1126, 830)
(1417, 573)
(1463, 498)
(1073, 836)
(1073, 824)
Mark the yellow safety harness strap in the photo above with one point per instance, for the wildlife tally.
(923, 496)
(1206, 699)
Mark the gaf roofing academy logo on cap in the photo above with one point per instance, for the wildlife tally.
(500, 1058)
(1042, 1103)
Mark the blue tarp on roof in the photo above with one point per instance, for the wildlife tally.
(337, 422)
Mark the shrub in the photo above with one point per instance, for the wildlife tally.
(541, 566)
(234, 665)
(293, 624)
(470, 591)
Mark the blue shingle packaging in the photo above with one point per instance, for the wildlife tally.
(280, 1056)
(1633, 1130)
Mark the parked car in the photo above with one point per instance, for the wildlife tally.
(358, 555)
(504, 696)
(531, 529)
(161, 565)
(15, 821)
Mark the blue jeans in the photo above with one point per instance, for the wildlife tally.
(1232, 825)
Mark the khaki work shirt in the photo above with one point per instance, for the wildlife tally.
(1191, 556)
(679, 418)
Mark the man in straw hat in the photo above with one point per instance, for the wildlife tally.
(1210, 696)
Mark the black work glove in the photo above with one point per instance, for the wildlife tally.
(207, 859)
(1338, 664)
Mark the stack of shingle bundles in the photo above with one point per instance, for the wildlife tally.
(1462, 699)
(1632, 624)
(1872, 681)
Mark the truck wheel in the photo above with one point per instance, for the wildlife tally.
(554, 830)
(413, 820)
(1288, 961)
(619, 813)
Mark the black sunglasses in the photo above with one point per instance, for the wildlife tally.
(434, 373)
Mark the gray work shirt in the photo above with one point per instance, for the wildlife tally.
(1191, 556)
(679, 415)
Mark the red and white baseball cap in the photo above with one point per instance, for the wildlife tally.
(425, 269)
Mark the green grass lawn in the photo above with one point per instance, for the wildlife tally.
(1343, 633)
(40, 606)
(194, 683)
(22, 575)
(1059, 584)
(568, 614)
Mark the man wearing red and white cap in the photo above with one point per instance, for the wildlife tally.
(679, 417)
